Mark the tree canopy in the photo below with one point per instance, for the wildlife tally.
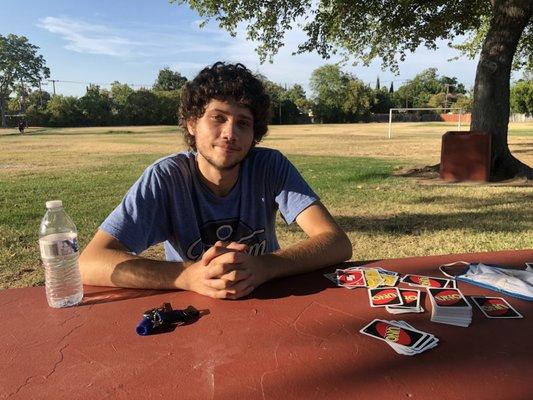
(501, 30)
(169, 80)
(19, 65)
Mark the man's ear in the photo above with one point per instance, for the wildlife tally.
(191, 126)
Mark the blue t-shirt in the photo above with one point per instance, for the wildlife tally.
(169, 203)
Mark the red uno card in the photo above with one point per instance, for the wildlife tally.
(425, 281)
(410, 297)
(448, 298)
(495, 307)
(387, 296)
(351, 278)
(388, 332)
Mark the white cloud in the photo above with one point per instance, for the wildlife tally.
(83, 37)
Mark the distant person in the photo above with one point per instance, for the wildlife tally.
(22, 126)
(215, 206)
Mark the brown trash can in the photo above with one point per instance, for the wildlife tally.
(465, 156)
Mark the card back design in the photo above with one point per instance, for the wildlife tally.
(448, 298)
(392, 333)
(426, 281)
(381, 297)
(496, 307)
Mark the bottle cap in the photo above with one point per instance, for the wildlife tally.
(54, 204)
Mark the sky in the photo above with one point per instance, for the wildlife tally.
(131, 40)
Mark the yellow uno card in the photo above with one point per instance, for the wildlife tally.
(389, 280)
(373, 278)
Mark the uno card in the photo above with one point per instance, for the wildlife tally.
(451, 284)
(389, 277)
(387, 296)
(332, 276)
(372, 277)
(448, 298)
(495, 307)
(394, 334)
(425, 281)
(351, 278)
(410, 297)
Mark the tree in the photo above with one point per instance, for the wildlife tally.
(329, 85)
(119, 99)
(522, 97)
(168, 104)
(169, 80)
(368, 29)
(64, 111)
(96, 106)
(19, 65)
(141, 108)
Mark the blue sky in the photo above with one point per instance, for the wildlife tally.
(131, 40)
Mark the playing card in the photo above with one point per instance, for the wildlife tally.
(387, 296)
(411, 302)
(388, 332)
(389, 277)
(402, 337)
(424, 281)
(495, 307)
(332, 276)
(372, 277)
(350, 278)
(451, 284)
(449, 299)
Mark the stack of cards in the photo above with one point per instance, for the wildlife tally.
(427, 281)
(449, 307)
(495, 307)
(402, 337)
(411, 302)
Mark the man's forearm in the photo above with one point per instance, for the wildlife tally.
(316, 252)
(111, 267)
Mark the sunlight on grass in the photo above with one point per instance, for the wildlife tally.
(351, 167)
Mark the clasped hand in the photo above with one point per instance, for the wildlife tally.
(226, 271)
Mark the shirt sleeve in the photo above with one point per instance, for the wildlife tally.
(141, 219)
(292, 193)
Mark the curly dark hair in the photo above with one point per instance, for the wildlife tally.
(225, 82)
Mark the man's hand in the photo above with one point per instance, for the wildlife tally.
(226, 272)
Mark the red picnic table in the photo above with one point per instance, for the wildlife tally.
(294, 338)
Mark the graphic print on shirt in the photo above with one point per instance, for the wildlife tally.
(229, 230)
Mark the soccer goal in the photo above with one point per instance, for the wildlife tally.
(460, 113)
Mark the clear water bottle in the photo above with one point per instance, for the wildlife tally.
(58, 241)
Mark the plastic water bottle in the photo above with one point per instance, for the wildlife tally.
(58, 241)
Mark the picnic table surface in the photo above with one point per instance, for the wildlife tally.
(293, 338)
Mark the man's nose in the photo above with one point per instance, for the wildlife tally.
(229, 132)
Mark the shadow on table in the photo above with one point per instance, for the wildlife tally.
(301, 285)
(109, 295)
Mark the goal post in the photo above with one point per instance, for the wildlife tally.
(460, 109)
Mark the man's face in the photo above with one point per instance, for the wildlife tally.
(223, 135)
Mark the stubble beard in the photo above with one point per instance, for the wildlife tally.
(219, 166)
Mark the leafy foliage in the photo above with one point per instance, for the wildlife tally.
(19, 64)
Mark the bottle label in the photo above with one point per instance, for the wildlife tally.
(58, 248)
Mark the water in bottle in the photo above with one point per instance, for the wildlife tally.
(58, 241)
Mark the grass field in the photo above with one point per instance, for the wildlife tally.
(355, 168)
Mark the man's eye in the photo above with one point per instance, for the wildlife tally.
(219, 118)
(244, 123)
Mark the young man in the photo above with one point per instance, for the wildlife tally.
(214, 207)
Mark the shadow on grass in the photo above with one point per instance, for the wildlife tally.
(474, 203)
(419, 223)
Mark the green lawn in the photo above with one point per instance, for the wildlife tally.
(385, 215)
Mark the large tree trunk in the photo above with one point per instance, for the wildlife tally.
(3, 112)
(490, 112)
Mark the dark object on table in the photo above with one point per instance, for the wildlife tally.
(163, 317)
